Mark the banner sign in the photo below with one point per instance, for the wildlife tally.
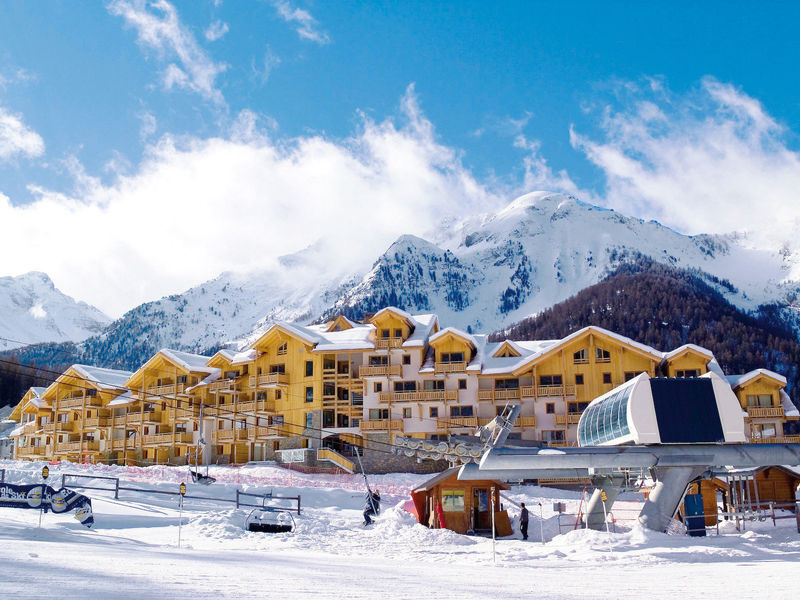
(47, 498)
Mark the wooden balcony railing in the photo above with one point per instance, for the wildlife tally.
(529, 421)
(32, 451)
(755, 412)
(273, 431)
(223, 385)
(267, 406)
(146, 417)
(269, 379)
(388, 343)
(85, 446)
(382, 425)
(66, 426)
(75, 402)
(568, 419)
(548, 391)
(230, 435)
(160, 439)
(424, 396)
(171, 389)
(29, 427)
(97, 422)
(380, 370)
(452, 422)
(509, 394)
(453, 367)
(120, 444)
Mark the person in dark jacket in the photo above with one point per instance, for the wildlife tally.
(372, 507)
(523, 521)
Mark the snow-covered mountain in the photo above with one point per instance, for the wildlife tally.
(32, 310)
(489, 271)
(481, 273)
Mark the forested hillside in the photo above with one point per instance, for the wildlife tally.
(665, 307)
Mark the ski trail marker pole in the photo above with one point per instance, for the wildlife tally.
(182, 492)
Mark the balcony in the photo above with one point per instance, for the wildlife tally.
(29, 427)
(96, 422)
(382, 425)
(772, 412)
(525, 422)
(66, 426)
(267, 406)
(121, 445)
(270, 379)
(388, 343)
(784, 439)
(171, 389)
(453, 367)
(32, 451)
(548, 391)
(224, 385)
(380, 371)
(452, 422)
(424, 396)
(271, 432)
(78, 401)
(145, 417)
(568, 419)
(160, 439)
(85, 446)
(230, 435)
(493, 395)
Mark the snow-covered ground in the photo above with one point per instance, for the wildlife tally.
(132, 552)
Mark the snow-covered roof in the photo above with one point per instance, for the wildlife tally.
(453, 331)
(124, 398)
(212, 377)
(109, 379)
(739, 380)
(789, 409)
(244, 356)
(393, 309)
(187, 360)
(423, 325)
(698, 349)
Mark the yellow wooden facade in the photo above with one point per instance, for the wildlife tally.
(396, 374)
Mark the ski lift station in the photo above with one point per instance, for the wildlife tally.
(674, 430)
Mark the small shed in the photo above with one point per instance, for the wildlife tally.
(777, 484)
(463, 506)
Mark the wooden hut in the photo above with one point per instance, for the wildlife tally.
(462, 506)
(776, 484)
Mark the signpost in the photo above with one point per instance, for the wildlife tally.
(604, 497)
(182, 492)
(491, 507)
(45, 475)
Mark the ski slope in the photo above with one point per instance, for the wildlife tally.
(132, 550)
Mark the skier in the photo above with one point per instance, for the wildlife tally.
(523, 521)
(372, 506)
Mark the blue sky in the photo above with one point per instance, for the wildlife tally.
(291, 107)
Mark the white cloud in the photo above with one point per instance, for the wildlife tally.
(16, 138)
(195, 207)
(216, 30)
(540, 177)
(306, 24)
(711, 161)
(159, 28)
(263, 69)
(149, 125)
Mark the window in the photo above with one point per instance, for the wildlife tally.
(406, 413)
(310, 393)
(506, 384)
(580, 357)
(406, 359)
(377, 387)
(228, 375)
(550, 380)
(759, 401)
(398, 333)
(276, 446)
(579, 379)
(405, 386)
(282, 349)
(309, 420)
(453, 500)
(281, 368)
(601, 355)
(328, 389)
(384, 333)
(278, 394)
(433, 384)
(606, 377)
(378, 414)
(309, 368)
(553, 436)
(452, 357)
(378, 361)
(688, 373)
(91, 392)
(550, 408)
(576, 407)
(629, 375)
(261, 396)
(433, 411)
(462, 384)
(461, 411)
(276, 420)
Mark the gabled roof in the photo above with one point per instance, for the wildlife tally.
(98, 377)
(740, 380)
(424, 326)
(299, 332)
(186, 361)
(691, 348)
(220, 358)
(395, 311)
(449, 474)
(341, 322)
(33, 395)
(506, 347)
(453, 332)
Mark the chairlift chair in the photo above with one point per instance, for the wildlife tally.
(268, 519)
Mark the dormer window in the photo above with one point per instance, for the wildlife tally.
(398, 333)
(452, 357)
(602, 356)
(282, 349)
(581, 357)
(385, 333)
